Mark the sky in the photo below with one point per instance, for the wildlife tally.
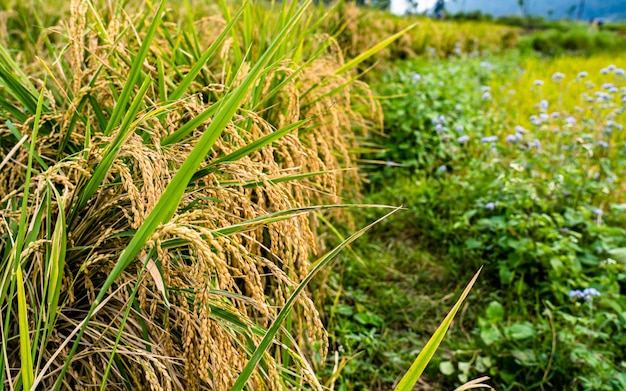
(399, 7)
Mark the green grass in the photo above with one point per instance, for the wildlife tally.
(541, 211)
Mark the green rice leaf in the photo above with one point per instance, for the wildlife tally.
(193, 72)
(135, 71)
(248, 149)
(373, 50)
(111, 151)
(409, 380)
(276, 325)
(56, 263)
(27, 369)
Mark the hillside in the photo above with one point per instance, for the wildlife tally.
(609, 10)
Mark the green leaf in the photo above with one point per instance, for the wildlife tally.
(27, 368)
(447, 368)
(409, 380)
(495, 312)
(248, 149)
(619, 254)
(519, 331)
(527, 356)
(111, 151)
(56, 264)
(271, 332)
(490, 335)
(373, 50)
(135, 71)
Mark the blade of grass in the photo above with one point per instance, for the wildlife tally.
(118, 337)
(247, 371)
(248, 149)
(415, 371)
(373, 50)
(56, 264)
(193, 72)
(112, 149)
(135, 71)
(286, 178)
(27, 374)
(261, 221)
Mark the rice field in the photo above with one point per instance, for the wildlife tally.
(206, 196)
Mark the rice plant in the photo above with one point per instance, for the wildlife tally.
(161, 167)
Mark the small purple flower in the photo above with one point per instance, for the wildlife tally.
(535, 120)
(589, 293)
(558, 76)
(613, 90)
(489, 139)
(514, 137)
(611, 67)
(490, 206)
(416, 77)
(604, 71)
(570, 120)
(538, 83)
(603, 144)
(620, 72)
(544, 116)
(486, 95)
(519, 129)
(607, 86)
(485, 88)
(543, 105)
(459, 128)
(575, 294)
(463, 139)
(582, 74)
(439, 128)
(443, 168)
(613, 124)
(390, 163)
(597, 211)
(555, 115)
